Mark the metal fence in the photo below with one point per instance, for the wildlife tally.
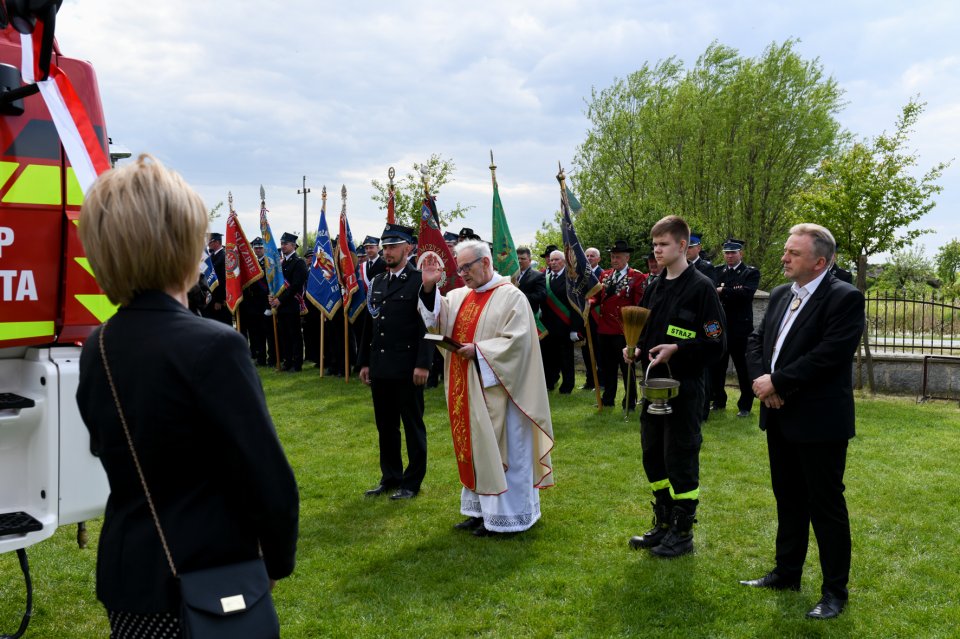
(919, 323)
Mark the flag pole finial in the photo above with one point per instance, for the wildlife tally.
(493, 169)
(323, 193)
(263, 194)
(425, 177)
(230, 201)
(391, 173)
(343, 193)
(561, 176)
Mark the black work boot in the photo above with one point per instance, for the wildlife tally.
(679, 539)
(660, 523)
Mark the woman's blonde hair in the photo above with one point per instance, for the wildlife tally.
(142, 228)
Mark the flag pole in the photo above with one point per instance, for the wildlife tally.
(323, 321)
(346, 306)
(276, 339)
(493, 170)
(391, 203)
(592, 365)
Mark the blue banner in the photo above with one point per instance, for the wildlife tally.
(209, 274)
(582, 284)
(323, 287)
(273, 272)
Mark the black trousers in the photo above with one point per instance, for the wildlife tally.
(737, 351)
(396, 401)
(610, 355)
(591, 363)
(291, 339)
(254, 328)
(671, 443)
(807, 481)
(557, 353)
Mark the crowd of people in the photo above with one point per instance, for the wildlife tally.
(500, 344)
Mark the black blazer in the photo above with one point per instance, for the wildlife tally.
(392, 343)
(533, 284)
(295, 273)
(813, 375)
(215, 468)
(551, 320)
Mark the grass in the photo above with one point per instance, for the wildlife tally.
(378, 568)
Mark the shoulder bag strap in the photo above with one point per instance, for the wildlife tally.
(133, 452)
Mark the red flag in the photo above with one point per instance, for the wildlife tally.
(431, 239)
(240, 262)
(391, 209)
(348, 271)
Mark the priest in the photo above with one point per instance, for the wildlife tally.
(496, 392)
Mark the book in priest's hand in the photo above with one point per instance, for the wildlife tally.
(443, 341)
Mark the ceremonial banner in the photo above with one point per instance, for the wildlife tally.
(209, 274)
(323, 285)
(582, 284)
(391, 208)
(504, 251)
(271, 256)
(241, 265)
(431, 239)
(353, 302)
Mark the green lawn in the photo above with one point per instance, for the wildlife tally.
(378, 568)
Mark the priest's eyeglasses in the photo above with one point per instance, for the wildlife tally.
(463, 268)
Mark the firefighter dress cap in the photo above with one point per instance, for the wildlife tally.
(733, 244)
(396, 234)
(289, 237)
(371, 241)
(550, 249)
(695, 238)
(257, 241)
(216, 237)
(361, 251)
(620, 246)
(450, 237)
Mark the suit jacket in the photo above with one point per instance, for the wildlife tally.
(553, 319)
(214, 466)
(738, 287)
(813, 375)
(295, 272)
(533, 284)
(392, 343)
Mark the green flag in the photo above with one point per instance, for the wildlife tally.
(504, 252)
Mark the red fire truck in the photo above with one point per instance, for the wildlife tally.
(49, 300)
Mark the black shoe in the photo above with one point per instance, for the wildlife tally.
(377, 490)
(773, 581)
(470, 523)
(743, 413)
(827, 608)
(403, 493)
(483, 531)
(660, 526)
(674, 544)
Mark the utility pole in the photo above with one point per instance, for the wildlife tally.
(304, 191)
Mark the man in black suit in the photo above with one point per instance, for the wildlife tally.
(800, 361)
(289, 304)
(253, 308)
(841, 274)
(530, 281)
(563, 326)
(217, 308)
(395, 362)
(736, 285)
(593, 259)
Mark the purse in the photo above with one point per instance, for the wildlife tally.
(224, 602)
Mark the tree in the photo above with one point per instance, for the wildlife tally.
(908, 270)
(868, 197)
(725, 144)
(948, 262)
(408, 193)
(214, 213)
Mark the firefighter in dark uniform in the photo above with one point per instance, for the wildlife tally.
(254, 317)
(736, 285)
(289, 305)
(622, 286)
(705, 266)
(395, 361)
(683, 334)
(217, 308)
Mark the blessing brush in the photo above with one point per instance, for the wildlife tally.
(634, 319)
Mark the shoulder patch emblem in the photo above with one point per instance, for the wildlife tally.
(712, 329)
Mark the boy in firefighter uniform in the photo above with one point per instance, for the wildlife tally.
(683, 334)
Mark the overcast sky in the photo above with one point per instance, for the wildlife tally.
(235, 94)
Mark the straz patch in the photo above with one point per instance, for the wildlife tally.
(680, 333)
(712, 329)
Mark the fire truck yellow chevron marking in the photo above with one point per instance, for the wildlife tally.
(25, 330)
(38, 184)
(85, 263)
(98, 305)
(6, 170)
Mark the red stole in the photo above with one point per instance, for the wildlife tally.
(458, 395)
